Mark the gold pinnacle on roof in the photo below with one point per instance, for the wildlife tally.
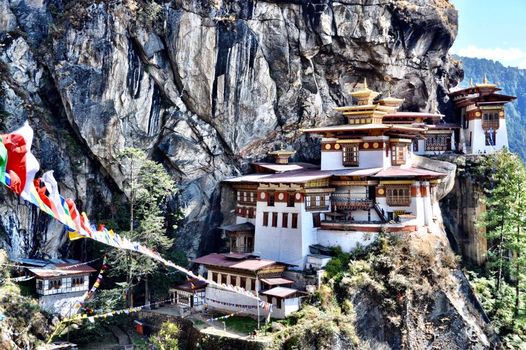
(471, 82)
(364, 96)
(485, 82)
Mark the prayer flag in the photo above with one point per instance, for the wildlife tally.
(75, 217)
(3, 161)
(56, 200)
(84, 223)
(21, 163)
(39, 197)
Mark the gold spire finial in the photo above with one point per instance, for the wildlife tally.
(365, 83)
(471, 82)
(485, 81)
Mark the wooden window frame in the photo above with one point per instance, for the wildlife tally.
(265, 219)
(316, 220)
(438, 142)
(350, 155)
(285, 220)
(274, 219)
(311, 201)
(294, 222)
(398, 158)
(398, 195)
(490, 120)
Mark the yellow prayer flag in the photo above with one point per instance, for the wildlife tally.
(74, 236)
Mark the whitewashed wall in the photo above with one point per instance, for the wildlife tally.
(61, 304)
(347, 240)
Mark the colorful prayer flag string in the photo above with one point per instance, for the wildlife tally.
(20, 170)
(90, 293)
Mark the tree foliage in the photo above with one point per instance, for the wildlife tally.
(148, 186)
(167, 338)
(503, 288)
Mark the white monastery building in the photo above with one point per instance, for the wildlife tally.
(366, 183)
(480, 111)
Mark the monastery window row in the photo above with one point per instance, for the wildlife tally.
(77, 281)
(284, 220)
(236, 281)
(438, 143)
(54, 284)
(246, 197)
(398, 196)
(246, 212)
(318, 201)
(490, 120)
(350, 155)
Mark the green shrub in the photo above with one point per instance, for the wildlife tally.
(167, 338)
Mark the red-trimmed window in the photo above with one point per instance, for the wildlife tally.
(285, 220)
(294, 223)
(274, 219)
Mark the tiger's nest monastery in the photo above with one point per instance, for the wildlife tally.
(288, 214)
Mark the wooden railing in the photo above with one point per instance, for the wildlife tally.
(399, 201)
(345, 201)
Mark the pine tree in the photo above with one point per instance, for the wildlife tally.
(505, 222)
(148, 186)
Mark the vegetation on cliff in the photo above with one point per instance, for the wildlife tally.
(501, 283)
(393, 294)
(149, 186)
(22, 324)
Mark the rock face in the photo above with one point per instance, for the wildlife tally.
(461, 208)
(205, 86)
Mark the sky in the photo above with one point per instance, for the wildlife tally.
(493, 29)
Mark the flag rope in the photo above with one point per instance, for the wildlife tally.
(65, 210)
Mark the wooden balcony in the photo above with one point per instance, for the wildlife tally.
(372, 226)
(346, 202)
(399, 201)
(321, 207)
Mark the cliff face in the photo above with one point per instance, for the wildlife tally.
(205, 86)
(461, 209)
